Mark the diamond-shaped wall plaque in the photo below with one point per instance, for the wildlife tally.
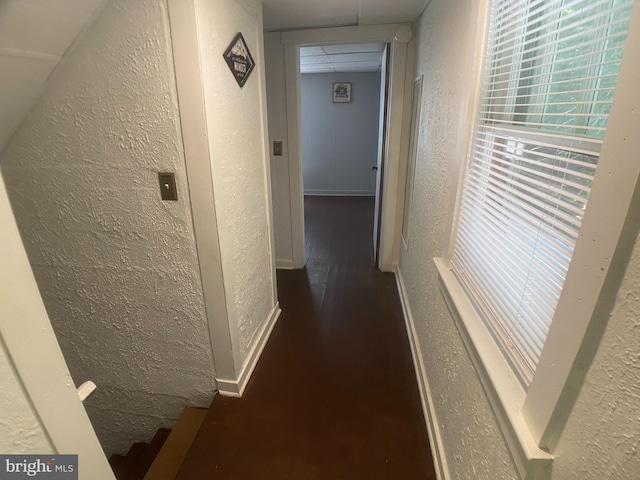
(239, 59)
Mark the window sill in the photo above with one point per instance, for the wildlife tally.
(504, 392)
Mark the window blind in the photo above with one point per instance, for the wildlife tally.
(550, 73)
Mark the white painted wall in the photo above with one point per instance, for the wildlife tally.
(22, 431)
(41, 410)
(472, 441)
(237, 134)
(339, 140)
(117, 267)
(602, 435)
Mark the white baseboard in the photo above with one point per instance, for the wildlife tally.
(230, 388)
(435, 439)
(340, 193)
(285, 265)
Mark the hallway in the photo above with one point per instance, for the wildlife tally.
(334, 395)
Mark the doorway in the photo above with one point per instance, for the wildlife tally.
(343, 92)
(394, 143)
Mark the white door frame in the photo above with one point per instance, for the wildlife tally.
(380, 160)
(396, 143)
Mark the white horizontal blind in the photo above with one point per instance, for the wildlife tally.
(550, 74)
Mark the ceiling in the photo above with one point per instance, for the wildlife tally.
(299, 14)
(35, 34)
(363, 57)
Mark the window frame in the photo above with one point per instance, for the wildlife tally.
(532, 420)
(528, 60)
(513, 138)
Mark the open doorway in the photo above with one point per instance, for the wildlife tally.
(343, 100)
(288, 175)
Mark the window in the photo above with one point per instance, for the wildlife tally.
(551, 69)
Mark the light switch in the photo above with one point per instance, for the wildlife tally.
(168, 189)
(277, 149)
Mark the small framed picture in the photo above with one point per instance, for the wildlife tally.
(341, 92)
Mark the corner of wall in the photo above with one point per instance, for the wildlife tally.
(234, 123)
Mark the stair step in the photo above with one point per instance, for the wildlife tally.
(175, 448)
(149, 455)
(132, 457)
(123, 465)
(118, 465)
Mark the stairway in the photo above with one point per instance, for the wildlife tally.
(161, 458)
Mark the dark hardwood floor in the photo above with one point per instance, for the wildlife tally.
(334, 395)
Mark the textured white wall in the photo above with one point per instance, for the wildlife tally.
(473, 444)
(41, 411)
(239, 162)
(603, 433)
(277, 109)
(602, 436)
(20, 427)
(117, 267)
(339, 140)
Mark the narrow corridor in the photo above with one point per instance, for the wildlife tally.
(334, 395)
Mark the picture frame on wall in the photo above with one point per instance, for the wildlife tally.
(341, 92)
(239, 59)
